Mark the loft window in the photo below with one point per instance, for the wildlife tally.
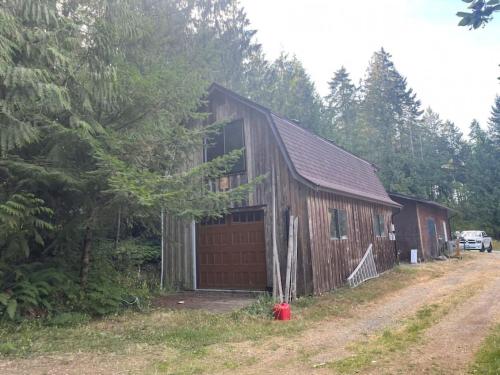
(378, 225)
(338, 224)
(229, 139)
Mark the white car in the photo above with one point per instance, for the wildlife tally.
(475, 240)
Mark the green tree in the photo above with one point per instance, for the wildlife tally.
(340, 110)
(99, 107)
(287, 89)
(387, 120)
(494, 123)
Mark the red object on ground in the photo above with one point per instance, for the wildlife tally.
(282, 311)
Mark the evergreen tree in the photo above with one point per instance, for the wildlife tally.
(287, 89)
(388, 119)
(494, 122)
(478, 205)
(340, 110)
(95, 99)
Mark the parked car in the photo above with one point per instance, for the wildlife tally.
(475, 240)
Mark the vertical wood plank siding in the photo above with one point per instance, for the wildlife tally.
(178, 262)
(323, 264)
(333, 260)
(426, 212)
(262, 154)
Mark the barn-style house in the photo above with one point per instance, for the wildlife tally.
(341, 205)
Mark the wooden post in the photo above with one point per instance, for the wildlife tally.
(289, 260)
(276, 262)
(162, 280)
(294, 258)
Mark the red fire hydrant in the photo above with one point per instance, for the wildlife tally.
(281, 311)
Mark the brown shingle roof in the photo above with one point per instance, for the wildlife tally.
(320, 162)
(327, 165)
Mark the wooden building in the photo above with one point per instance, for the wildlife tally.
(340, 202)
(422, 225)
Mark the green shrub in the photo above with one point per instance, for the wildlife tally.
(262, 307)
(29, 290)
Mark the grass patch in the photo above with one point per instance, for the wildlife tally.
(398, 340)
(496, 245)
(487, 359)
(191, 337)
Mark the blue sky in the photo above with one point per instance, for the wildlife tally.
(452, 69)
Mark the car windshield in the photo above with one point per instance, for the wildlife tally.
(471, 233)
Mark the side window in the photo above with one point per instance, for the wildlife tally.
(229, 139)
(378, 225)
(338, 224)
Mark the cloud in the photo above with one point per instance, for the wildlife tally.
(452, 69)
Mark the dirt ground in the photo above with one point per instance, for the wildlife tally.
(216, 302)
(447, 347)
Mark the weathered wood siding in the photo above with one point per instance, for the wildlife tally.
(323, 263)
(178, 259)
(262, 155)
(407, 229)
(333, 260)
(439, 215)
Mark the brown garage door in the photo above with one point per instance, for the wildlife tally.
(231, 252)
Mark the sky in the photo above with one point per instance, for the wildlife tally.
(452, 69)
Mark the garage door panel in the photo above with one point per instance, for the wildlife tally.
(231, 253)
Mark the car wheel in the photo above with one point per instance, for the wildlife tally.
(490, 249)
(482, 248)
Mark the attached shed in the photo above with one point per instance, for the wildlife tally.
(340, 202)
(422, 225)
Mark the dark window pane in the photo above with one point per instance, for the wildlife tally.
(215, 146)
(234, 140)
(334, 223)
(343, 224)
(378, 225)
(234, 136)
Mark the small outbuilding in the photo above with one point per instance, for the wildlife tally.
(421, 224)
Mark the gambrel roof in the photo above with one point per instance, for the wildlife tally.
(320, 163)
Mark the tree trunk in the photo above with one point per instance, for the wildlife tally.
(85, 263)
(118, 225)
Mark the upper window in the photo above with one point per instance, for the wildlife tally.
(338, 224)
(378, 225)
(229, 139)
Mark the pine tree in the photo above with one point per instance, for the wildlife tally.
(388, 122)
(340, 110)
(494, 122)
(287, 89)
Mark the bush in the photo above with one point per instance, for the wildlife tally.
(262, 307)
(30, 290)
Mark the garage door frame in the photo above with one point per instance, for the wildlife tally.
(196, 266)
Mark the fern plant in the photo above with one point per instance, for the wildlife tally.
(30, 289)
(22, 218)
